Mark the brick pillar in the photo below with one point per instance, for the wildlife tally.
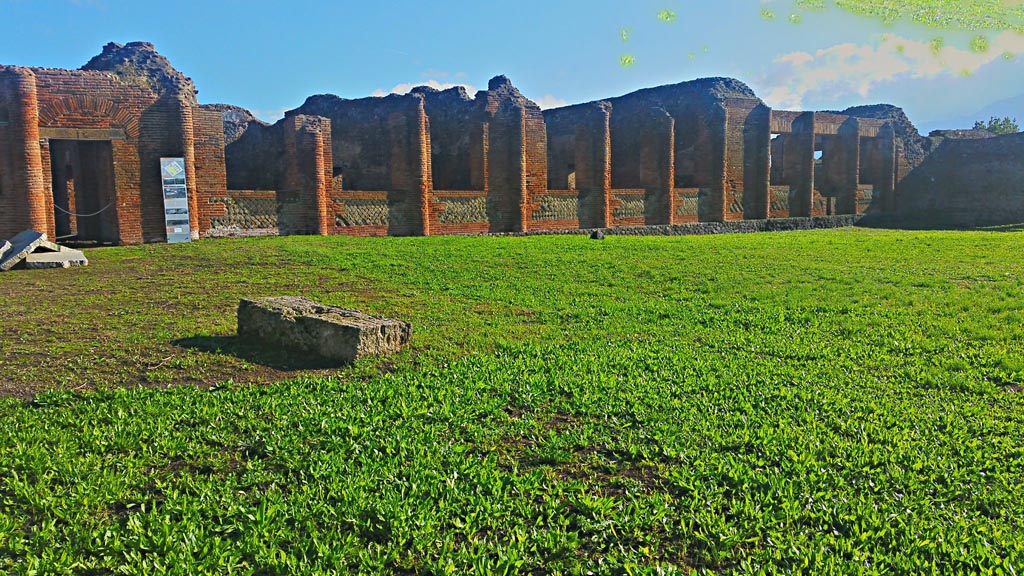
(594, 167)
(479, 145)
(885, 182)
(534, 161)
(188, 151)
(711, 207)
(305, 194)
(847, 168)
(425, 182)
(127, 191)
(47, 171)
(757, 137)
(657, 171)
(799, 159)
(409, 197)
(29, 181)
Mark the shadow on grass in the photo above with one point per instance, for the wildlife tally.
(276, 358)
(935, 222)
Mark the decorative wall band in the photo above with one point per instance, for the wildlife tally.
(244, 213)
(361, 213)
(556, 208)
(630, 206)
(462, 210)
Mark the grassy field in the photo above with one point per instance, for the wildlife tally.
(823, 402)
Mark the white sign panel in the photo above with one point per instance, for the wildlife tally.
(172, 175)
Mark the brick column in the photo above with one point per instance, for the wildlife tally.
(409, 197)
(847, 170)
(799, 159)
(188, 150)
(534, 161)
(28, 176)
(593, 162)
(305, 194)
(885, 183)
(711, 208)
(657, 171)
(757, 135)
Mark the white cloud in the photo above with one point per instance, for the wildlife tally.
(270, 115)
(852, 69)
(405, 88)
(549, 101)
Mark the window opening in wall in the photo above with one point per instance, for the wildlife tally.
(571, 180)
(775, 172)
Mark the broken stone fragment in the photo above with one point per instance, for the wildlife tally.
(21, 246)
(305, 326)
(65, 258)
(4, 247)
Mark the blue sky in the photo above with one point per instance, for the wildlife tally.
(268, 56)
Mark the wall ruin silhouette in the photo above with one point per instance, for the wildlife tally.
(445, 162)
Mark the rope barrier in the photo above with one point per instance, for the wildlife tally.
(101, 210)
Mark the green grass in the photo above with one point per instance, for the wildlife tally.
(824, 402)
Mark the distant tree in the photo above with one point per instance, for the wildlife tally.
(995, 125)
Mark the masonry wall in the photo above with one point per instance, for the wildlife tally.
(966, 183)
(210, 163)
(747, 141)
(580, 160)
(382, 149)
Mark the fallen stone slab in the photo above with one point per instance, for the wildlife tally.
(305, 326)
(21, 246)
(66, 258)
(4, 247)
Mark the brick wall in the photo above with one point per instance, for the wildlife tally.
(580, 155)
(241, 212)
(103, 138)
(459, 212)
(383, 144)
(967, 183)
(748, 134)
(210, 165)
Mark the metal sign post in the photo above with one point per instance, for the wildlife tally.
(172, 174)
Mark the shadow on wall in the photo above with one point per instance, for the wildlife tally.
(962, 184)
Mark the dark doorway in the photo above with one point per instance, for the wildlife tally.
(83, 191)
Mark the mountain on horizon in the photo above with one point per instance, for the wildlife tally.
(1012, 107)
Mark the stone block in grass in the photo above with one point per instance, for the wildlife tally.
(307, 327)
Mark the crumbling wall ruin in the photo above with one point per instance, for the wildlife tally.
(445, 162)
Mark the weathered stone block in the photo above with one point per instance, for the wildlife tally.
(65, 258)
(332, 333)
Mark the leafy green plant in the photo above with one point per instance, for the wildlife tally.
(827, 402)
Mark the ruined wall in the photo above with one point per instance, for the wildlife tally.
(966, 183)
(242, 213)
(211, 171)
(97, 135)
(516, 156)
(580, 159)
(382, 146)
(747, 141)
